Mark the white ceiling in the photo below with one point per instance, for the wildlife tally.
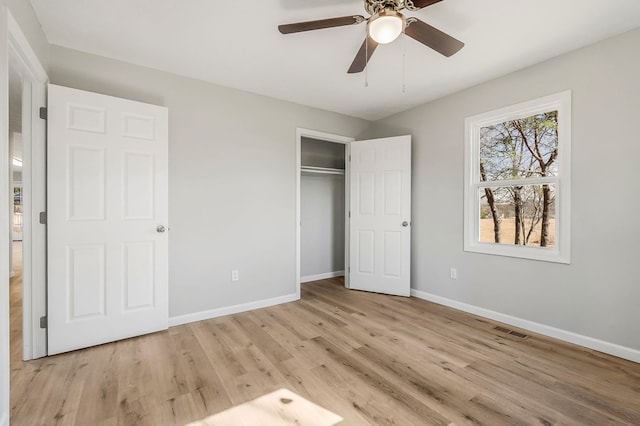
(237, 44)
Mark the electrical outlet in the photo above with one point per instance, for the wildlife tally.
(453, 273)
(235, 275)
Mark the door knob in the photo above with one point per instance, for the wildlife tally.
(405, 223)
(160, 229)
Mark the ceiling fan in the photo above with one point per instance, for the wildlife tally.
(385, 24)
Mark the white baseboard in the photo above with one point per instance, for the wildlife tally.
(310, 278)
(228, 310)
(4, 420)
(567, 336)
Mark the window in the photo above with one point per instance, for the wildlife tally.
(517, 180)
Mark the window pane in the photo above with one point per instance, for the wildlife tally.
(519, 215)
(522, 148)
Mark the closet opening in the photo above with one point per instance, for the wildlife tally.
(323, 194)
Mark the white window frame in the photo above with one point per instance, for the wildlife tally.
(561, 251)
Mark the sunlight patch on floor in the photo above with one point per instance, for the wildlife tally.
(278, 408)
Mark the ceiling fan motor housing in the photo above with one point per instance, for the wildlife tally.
(376, 6)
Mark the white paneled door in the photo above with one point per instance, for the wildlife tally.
(107, 219)
(380, 208)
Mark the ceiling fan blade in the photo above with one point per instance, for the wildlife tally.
(363, 56)
(320, 24)
(419, 4)
(432, 37)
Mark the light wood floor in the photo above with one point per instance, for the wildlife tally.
(370, 358)
(15, 303)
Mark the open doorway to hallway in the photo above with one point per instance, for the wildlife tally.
(26, 95)
(16, 214)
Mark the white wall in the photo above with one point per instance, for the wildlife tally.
(26, 18)
(232, 185)
(597, 294)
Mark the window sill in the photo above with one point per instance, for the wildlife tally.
(554, 254)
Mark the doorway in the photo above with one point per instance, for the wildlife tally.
(322, 210)
(26, 164)
(377, 182)
(16, 53)
(322, 243)
(16, 214)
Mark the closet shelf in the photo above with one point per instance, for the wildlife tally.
(321, 170)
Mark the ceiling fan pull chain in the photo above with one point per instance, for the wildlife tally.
(366, 56)
(404, 63)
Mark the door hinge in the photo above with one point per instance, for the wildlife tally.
(44, 323)
(43, 218)
(349, 213)
(43, 113)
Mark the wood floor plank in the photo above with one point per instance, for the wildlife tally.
(306, 383)
(99, 400)
(374, 379)
(322, 328)
(260, 338)
(230, 333)
(286, 336)
(283, 315)
(262, 373)
(368, 402)
(216, 350)
(370, 358)
(223, 361)
(530, 390)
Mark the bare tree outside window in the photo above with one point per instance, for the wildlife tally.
(525, 148)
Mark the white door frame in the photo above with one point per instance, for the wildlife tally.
(329, 137)
(5, 219)
(17, 51)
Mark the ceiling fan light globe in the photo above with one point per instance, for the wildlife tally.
(386, 26)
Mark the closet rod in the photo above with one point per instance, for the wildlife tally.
(321, 170)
